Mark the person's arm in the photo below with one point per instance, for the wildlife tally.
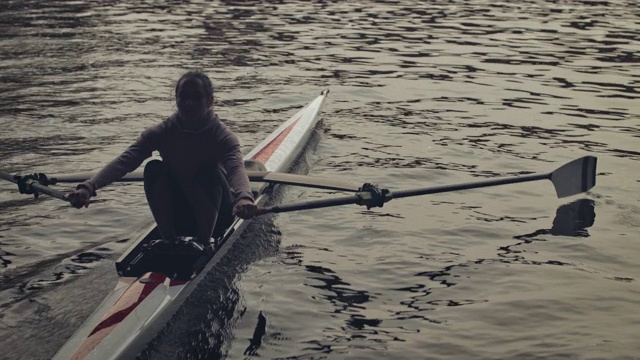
(128, 161)
(234, 166)
(245, 206)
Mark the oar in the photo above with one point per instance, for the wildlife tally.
(302, 180)
(258, 176)
(573, 178)
(29, 184)
(80, 177)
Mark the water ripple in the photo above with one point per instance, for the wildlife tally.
(421, 93)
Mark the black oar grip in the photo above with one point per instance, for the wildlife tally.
(372, 196)
(26, 182)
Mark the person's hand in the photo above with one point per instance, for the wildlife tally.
(245, 209)
(79, 197)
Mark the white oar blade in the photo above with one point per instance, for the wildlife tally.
(575, 177)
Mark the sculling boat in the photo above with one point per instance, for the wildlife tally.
(153, 284)
(152, 287)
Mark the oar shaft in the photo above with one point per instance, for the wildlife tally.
(8, 177)
(80, 177)
(315, 204)
(302, 180)
(258, 176)
(474, 185)
(48, 191)
(361, 197)
(35, 186)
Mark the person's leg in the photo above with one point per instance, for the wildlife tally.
(225, 210)
(209, 196)
(158, 189)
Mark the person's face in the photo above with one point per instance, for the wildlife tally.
(191, 99)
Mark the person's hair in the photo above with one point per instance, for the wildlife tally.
(198, 74)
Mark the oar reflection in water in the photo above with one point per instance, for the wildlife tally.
(258, 333)
(571, 219)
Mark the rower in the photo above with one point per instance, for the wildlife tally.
(201, 180)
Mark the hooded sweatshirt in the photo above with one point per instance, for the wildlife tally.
(184, 151)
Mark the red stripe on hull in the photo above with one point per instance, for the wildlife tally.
(130, 299)
(266, 152)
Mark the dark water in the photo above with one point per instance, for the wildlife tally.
(422, 93)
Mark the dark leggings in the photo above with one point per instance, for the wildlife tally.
(171, 207)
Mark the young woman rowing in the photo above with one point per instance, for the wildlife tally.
(201, 180)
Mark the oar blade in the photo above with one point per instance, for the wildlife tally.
(575, 177)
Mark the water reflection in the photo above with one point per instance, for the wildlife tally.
(43, 146)
(4, 258)
(571, 219)
(25, 283)
(478, 89)
(337, 291)
(258, 333)
(203, 327)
